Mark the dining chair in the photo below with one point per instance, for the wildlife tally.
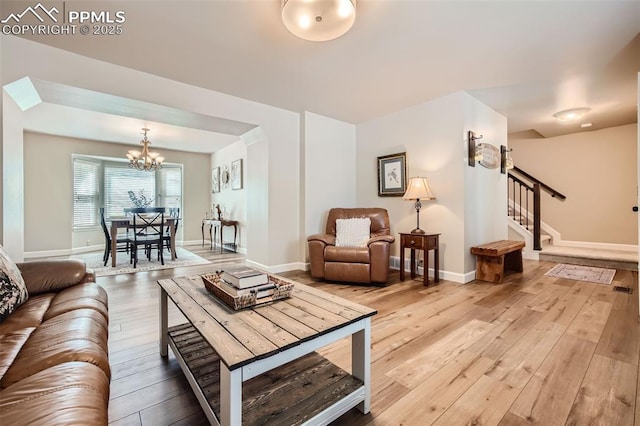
(174, 212)
(148, 227)
(122, 244)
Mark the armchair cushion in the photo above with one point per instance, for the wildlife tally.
(13, 291)
(346, 254)
(353, 232)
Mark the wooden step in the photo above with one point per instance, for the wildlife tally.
(599, 259)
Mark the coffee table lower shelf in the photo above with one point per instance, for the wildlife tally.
(296, 393)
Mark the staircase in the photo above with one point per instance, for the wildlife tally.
(544, 242)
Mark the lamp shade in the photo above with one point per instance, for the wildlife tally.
(318, 20)
(418, 189)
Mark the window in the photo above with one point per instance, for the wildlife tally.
(86, 193)
(170, 187)
(98, 183)
(119, 179)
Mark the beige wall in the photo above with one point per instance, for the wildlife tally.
(597, 171)
(48, 190)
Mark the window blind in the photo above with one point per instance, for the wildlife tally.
(86, 193)
(170, 187)
(119, 179)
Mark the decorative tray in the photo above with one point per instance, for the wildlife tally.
(282, 290)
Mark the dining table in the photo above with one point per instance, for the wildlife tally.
(125, 222)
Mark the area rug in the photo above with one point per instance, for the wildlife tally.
(582, 273)
(94, 261)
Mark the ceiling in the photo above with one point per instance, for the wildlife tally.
(525, 59)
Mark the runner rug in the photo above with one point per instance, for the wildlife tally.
(582, 273)
(94, 261)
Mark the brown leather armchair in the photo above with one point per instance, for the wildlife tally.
(352, 264)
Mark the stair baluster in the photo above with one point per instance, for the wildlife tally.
(520, 212)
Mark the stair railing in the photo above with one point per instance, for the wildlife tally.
(547, 188)
(527, 194)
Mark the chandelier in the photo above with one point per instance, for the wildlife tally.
(145, 160)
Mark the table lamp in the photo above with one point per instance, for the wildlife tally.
(418, 189)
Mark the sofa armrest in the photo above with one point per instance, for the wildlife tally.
(53, 275)
(328, 239)
(381, 239)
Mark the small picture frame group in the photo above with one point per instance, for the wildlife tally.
(392, 175)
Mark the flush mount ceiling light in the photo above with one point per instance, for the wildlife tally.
(571, 115)
(318, 20)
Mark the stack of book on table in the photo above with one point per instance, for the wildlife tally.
(242, 280)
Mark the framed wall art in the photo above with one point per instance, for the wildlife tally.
(215, 180)
(236, 174)
(224, 177)
(392, 175)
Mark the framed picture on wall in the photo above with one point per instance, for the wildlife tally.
(215, 180)
(236, 174)
(392, 175)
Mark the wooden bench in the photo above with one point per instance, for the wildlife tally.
(494, 258)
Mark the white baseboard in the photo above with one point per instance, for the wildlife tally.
(276, 269)
(394, 263)
(241, 250)
(62, 252)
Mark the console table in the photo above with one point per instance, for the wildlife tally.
(214, 225)
(224, 355)
(423, 242)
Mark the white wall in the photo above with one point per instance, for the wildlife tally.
(330, 176)
(12, 178)
(433, 136)
(597, 171)
(232, 201)
(276, 212)
(485, 205)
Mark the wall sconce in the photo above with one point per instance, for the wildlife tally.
(506, 162)
(475, 150)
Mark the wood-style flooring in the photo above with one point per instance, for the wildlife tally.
(533, 350)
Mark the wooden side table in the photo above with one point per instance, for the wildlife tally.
(423, 242)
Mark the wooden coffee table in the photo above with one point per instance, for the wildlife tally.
(259, 364)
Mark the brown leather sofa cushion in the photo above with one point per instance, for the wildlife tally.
(11, 344)
(29, 314)
(88, 295)
(72, 393)
(79, 335)
(52, 275)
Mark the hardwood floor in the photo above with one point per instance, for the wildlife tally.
(534, 350)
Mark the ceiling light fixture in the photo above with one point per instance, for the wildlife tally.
(146, 160)
(585, 125)
(318, 20)
(571, 115)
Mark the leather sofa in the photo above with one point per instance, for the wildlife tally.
(54, 365)
(368, 264)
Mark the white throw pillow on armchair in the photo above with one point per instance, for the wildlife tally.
(354, 232)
